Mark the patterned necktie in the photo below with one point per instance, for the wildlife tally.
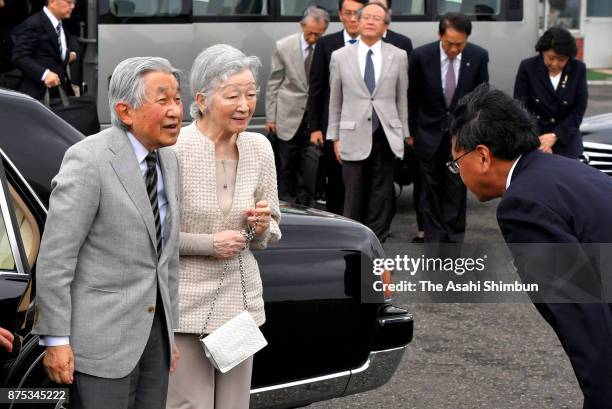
(151, 181)
(58, 30)
(370, 79)
(449, 83)
(308, 62)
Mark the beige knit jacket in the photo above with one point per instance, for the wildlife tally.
(200, 213)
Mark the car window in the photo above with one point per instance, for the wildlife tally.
(7, 262)
(30, 233)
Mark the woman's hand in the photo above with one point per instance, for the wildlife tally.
(228, 243)
(261, 213)
(547, 141)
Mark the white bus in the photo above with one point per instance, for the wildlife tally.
(179, 29)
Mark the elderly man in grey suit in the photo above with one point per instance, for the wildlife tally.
(107, 273)
(368, 118)
(286, 98)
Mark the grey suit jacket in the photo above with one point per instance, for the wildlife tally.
(97, 273)
(350, 103)
(287, 91)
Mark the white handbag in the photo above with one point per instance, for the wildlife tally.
(233, 342)
(237, 339)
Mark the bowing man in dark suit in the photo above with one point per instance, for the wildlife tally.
(42, 50)
(318, 99)
(432, 97)
(553, 87)
(545, 199)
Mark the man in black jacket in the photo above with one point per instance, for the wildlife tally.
(561, 209)
(318, 99)
(433, 92)
(42, 50)
(393, 37)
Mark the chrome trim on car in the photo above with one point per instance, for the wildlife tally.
(23, 180)
(376, 371)
(394, 320)
(8, 226)
(598, 155)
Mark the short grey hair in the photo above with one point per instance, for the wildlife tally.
(127, 83)
(379, 4)
(213, 66)
(317, 13)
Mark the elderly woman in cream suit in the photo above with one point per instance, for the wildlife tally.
(228, 182)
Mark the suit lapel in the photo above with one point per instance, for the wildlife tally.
(566, 76)
(52, 33)
(386, 58)
(464, 70)
(165, 156)
(437, 71)
(128, 171)
(354, 67)
(298, 57)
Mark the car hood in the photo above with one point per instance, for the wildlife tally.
(597, 123)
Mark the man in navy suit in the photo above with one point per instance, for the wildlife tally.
(318, 99)
(433, 92)
(42, 50)
(545, 199)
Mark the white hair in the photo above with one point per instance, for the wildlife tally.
(213, 66)
(127, 83)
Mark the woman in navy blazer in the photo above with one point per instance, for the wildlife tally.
(553, 87)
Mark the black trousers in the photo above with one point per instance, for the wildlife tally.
(146, 387)
(443, 198)
(334, 183)
(290, 186)
(585, 332)
(369, 187)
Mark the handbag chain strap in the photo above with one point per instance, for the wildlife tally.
(248, 234)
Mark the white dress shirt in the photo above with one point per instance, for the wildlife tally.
(362, 51)
(348, 38)
(141, 153)
(509, 178)
(55, 22)
(555, 80)
(444, 63)
(304, 46)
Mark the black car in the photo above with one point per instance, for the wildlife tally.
(597, 140)
(329, 333)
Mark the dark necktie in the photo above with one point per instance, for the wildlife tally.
(449, 83)
(151, 181)
(58, 30)
(352, 40)
(308, 62)
(370, 80)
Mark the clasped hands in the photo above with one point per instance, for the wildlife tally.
(228, 243)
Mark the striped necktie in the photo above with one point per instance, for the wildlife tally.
(151, 181)
(58, 30)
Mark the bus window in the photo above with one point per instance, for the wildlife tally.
(145, 8)
(407, 8)
(479, 8)
(297, 7)
(400, 7)
(229, 7)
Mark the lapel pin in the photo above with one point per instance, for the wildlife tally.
(564, 81)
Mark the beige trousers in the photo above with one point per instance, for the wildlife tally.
(197, 385)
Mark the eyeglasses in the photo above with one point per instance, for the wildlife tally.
(453, 165)
(349, 13)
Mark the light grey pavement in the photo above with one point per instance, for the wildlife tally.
(468, 356)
